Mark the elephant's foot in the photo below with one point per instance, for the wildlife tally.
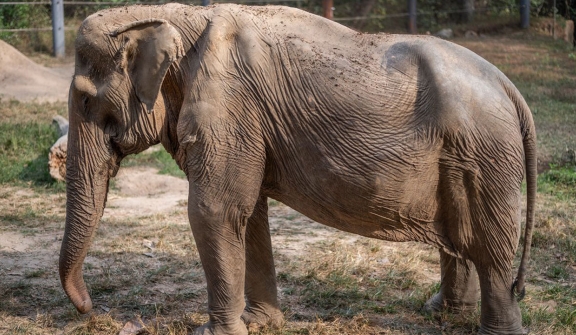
(437, 304)
(434, 304)
(459, 288)
(499, 331)
(500, 310)
(258, 318)
(501, 317)
(210, 329)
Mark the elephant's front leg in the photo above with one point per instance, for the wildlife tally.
(261, 290)
(219, 230)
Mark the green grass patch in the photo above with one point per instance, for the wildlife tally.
(559, 181)
(563, 294)
(557, 272)
(159, 159)
(536, 316)
(566, 319)
(338, 293)
(24, 151)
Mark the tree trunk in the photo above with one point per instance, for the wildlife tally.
(468, 8)
(412, 28)
(327, 7)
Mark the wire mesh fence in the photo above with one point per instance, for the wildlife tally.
(27, 24)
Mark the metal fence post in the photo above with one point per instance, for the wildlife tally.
(554, 22)
(327, 8)
(58, 28)
(412, 17)
(524, 14)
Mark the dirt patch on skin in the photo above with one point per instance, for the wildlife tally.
(24, 80)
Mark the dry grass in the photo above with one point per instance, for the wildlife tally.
(147, 268)
(16, 112)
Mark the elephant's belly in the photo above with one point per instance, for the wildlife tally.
(379, 207)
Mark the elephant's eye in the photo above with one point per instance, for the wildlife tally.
(85, 100)
(110, 127)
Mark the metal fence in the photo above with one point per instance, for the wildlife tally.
(392, 16)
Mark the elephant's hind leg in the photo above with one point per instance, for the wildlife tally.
(261, 291)
(493, 253)
(459, 287)
(481, 188)
(500, 311)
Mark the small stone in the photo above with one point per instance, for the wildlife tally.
(131, 328)
(446, 33)
(470, 34)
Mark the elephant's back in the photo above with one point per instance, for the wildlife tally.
(458, 90)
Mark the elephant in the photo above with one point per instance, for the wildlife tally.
(393, 137)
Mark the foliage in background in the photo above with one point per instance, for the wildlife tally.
(391, 15)
(26, 16)
(560, 181)
(362, 15)
(158, 158)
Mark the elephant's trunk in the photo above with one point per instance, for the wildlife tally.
(89, 166)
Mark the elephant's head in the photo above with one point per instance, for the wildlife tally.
(120, 68)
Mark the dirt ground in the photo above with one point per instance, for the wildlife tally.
(24, 80)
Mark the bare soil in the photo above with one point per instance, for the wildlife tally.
(141, 191)
(24, 80)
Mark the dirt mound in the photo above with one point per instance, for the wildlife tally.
(24, 80)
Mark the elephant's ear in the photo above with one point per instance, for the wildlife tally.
(148, 49)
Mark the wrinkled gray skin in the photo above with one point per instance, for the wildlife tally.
(394, 137)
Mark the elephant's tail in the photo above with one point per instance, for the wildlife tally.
(530, 157)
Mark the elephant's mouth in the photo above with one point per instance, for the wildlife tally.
(114, 168)
(114, 162)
